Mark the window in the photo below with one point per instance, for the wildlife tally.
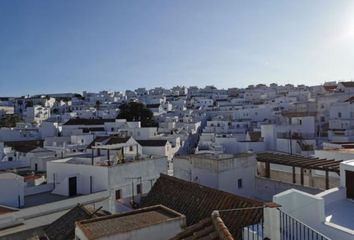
(322, 119)
(118, 194)
(300, 121)
(130, 148)
(339, 114)
(239, 183)
(138, 189)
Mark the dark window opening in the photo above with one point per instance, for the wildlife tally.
(138, 189)
(118, 194)
(239, 183)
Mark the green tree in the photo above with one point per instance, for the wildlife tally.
(55, 111)
(10, 121)
(29, 104)
(134, 111)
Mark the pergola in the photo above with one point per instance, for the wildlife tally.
(300, 162)
(108, 148)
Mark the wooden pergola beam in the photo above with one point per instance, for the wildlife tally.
(299, 161)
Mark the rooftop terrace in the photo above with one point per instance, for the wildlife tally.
(126, 222)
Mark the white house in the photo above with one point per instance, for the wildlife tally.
(230, 173)
(341, 121)
(125, 177)
(12, 190)
(157, 147)
(330, 212)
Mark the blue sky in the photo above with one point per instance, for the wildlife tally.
(74, 45)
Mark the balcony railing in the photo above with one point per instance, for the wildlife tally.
(291, 228)
(288, 228)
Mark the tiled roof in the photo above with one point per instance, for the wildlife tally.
(92, 129)
(117, 140)
(153, 105)
(348, 84)
(330, 88)
(152, 143)
(5, 209)
(204, 229)
(350, 100)
(64, 227)
(24, 146)
(84, 121)
(197, 202)
(126, 222)
(212, 228)
(108, 140)
(255, 136)
(298, 114)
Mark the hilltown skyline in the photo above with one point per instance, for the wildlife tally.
(160, 119)
(185, 86)
(70, 46)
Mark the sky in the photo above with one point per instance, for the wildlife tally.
(49, 46)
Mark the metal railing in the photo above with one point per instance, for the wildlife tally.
(254, 232)
(289, 229)
(293, 229)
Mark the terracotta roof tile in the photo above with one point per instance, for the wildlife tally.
(84, 121)
(24, 146)
(127, 222)
(152, 143)
(108, 140)
(298, 114)
(197, 202)
(64, 227)
(348, 84)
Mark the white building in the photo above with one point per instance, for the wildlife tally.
(126, 178)
(330, 212)
(11, 190)
(36, 114)
(230, 173)
(341, 122)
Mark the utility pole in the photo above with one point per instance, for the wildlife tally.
(291, 143)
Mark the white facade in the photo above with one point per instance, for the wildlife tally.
(96, 178)
(230, 173)
(11, 190)
(329, 212)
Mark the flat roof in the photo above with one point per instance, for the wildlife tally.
(348, 162)
(102, 161)
(341, 213)
(8, 175)
(126, 222)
